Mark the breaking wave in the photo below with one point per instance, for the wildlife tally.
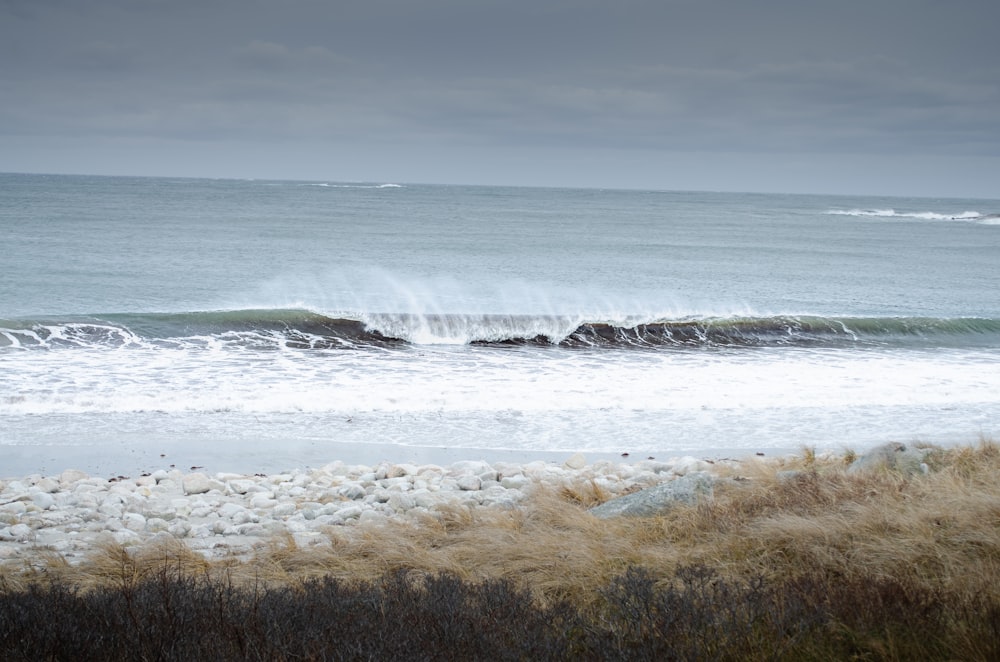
(970, 216)
(304, 329)
(329, 185)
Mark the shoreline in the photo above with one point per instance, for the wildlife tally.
(268, 457)
(849, 546)
(221, 514)
(225, 514)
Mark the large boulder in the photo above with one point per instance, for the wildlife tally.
(199, 483)
(893, 456)
(659, 498)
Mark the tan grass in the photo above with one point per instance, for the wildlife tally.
(939, 530)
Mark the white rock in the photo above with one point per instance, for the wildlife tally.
(337, 468)
(401, 501)
(198, 531)
(469, 467)
(160, 538)
(159, 511)
(245, 517)
(372, 517)
(505, 502)
(20, 531)
(576, 462)
(126, 537)
(179, 529)
(241, 485)
(16, 487)
(350, 512)
(196, 483)
(403, 483)
(892, 456)
(431, 473)
(71, 514)
(133, 521)
(262, 502)
(351, 491)
(426, 498)
(79, 499)
(247, 529)
(687, 464)
(469, 483)
(228, 510)
(329, 520)
(14, 507)
(157, 524)
(47, 485)
(43, 500)
(90, 515)
(516, 482)
(657, 467)
(111, 509)
(123, 492)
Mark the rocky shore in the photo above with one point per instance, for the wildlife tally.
(853, 554)
(224, 514)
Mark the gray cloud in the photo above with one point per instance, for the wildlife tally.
(414, 87)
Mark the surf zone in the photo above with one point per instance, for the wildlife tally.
(303, 329)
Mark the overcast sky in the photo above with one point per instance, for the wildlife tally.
(842, 96)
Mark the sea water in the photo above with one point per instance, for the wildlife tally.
(270, 324)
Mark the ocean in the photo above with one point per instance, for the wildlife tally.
(262, 325)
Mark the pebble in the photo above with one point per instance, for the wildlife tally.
(73, 514)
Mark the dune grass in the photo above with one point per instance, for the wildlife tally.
(790, 559)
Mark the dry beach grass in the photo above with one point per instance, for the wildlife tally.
(795, 558)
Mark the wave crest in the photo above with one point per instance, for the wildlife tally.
(304, 329)
(971, 216)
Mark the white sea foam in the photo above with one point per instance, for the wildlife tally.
(466, 378)
(329, 185)
(923, 215)
(520, 398)
(465, 329)
(863, 212)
